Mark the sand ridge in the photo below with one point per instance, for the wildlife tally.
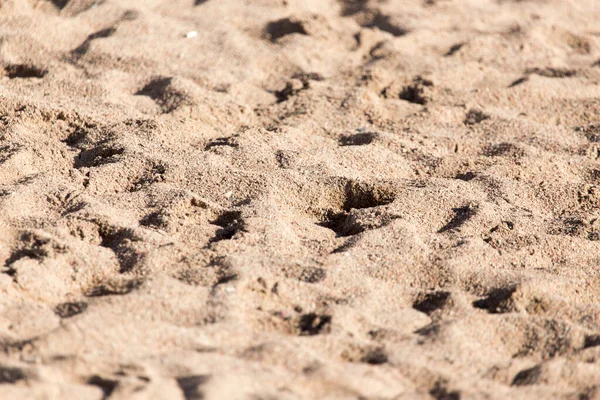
(345, 199)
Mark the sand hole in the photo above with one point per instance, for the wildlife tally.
(365, 195)
(356, 195)
(384, 23)
(498, 301)
(11, 374)
(106, 385)
(155, 219)
(440, 392)
(313, 324)
(298, 83)
(352, 7)
(101, 155)
(120, 240)
(461, 215)
(475, 116)
(415, 92)
(454, 49)
(359, 139)
(222, 141)
(60, 4)
(374, 355)
(336, 221)
(550, 72)
(527, 376)
(117, 287)
(467, 176)
(70, 309)
(191, 385)
(591, 341)
(504, 149)
(283, 27)
(34, 246)
(429, 302)
(230, 222)
(69, 8)
(24, 71)
(79, 135)
(84, 47)
(163, 93)
(152, 174)
(519, 81)
(312, 275)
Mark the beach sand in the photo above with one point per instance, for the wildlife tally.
(299, 199)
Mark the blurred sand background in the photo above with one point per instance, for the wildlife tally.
(299, 199)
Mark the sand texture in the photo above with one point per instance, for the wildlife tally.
(299, 199)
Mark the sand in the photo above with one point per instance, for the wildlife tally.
(299, 199)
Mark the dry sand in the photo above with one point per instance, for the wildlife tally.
(299, 199)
